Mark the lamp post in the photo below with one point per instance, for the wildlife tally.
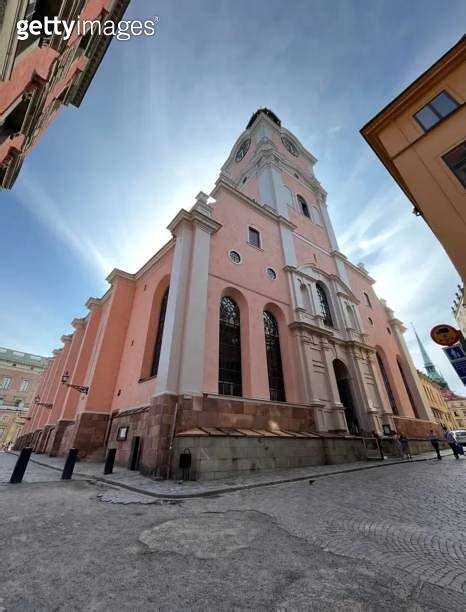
(37, 402)
(65, 381)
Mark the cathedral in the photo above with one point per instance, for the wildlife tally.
(248, 341)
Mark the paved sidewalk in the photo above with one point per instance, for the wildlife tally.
(134, 481)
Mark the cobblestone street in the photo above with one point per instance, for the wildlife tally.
(383, 539)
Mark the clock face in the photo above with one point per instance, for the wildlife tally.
(290, 146)
(244, 148)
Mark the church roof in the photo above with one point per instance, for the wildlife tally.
(266, 111)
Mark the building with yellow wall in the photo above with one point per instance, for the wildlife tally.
(12, 420)
(457, 407)
(420, 137)
(437, 402)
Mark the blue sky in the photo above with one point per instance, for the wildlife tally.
(160, 118)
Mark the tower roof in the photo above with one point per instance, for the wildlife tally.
(428, 364)
(266, 111)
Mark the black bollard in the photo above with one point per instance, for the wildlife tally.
(69, 464)
(110, 460)
(21, 465)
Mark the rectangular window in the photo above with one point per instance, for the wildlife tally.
(24, 385)
(438, 108)
(254, 237)
(6, 382)
(456, 161)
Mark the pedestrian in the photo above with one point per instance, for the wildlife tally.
(450, 437)
(434, 441)
(404, 444)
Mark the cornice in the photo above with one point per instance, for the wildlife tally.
(117, 273)
(79, 322)
(396, 323)
(92, 302)
(301, 325)
(452, 58)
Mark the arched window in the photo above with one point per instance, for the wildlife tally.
(324, 305)
(158, 339)
(386, 382)
(274, 358)
(229, 366)
(368, 302)
(303, 207)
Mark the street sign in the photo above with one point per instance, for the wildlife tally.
(446, 335)
(457, 357)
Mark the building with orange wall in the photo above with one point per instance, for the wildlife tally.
(420, 137)
(249, 324)
(40, 75)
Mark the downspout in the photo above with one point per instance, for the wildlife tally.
(172, 437)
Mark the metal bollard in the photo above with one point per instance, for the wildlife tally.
(110, 460)
(69, 464)
(21, 465)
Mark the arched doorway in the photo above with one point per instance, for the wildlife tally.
(346, 397)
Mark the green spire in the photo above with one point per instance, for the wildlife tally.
(428, 365)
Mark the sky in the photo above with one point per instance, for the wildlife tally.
(160, 118)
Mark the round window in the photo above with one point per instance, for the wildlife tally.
(271, 273)
(235, 257)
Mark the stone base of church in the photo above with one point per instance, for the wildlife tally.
(225, 436)
(217, 457)
(157, 424)
(416, 428)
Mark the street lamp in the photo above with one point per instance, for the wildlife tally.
(65, 381)
(37, 402)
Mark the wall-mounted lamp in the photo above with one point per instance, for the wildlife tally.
(37, 402)
(64, 381)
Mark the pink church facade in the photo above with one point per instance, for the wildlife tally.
(248, 324)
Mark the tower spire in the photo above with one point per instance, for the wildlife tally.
(428, 364)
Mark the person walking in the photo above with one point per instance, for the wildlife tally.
(404, 444)
(435, 443)
(450, 437)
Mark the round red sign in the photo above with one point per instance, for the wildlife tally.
(446, 335)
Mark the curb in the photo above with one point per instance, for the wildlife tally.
(232, 489)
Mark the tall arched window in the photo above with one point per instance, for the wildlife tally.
(303, 207)
(386, 382)
(324, 306)
(229, 365)
(158, 339)
(274, 358)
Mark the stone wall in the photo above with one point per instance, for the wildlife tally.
(416, 428)
(216, 411)
(215, 457)
(155, 423)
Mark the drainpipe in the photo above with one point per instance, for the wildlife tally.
(172, 437)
